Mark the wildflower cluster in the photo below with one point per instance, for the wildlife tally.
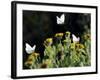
(63, 52)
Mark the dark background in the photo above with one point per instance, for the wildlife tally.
(39, 25)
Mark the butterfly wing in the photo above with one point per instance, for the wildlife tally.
(34, 48)
(29, 49)
(62, 18)
(58, 20)
(78, 39)
(75, 39)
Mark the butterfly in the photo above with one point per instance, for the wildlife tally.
(61, 19)
(75, 39)
(29, 49)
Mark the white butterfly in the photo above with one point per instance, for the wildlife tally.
(30, 49)
(61, 19)
(75, 39)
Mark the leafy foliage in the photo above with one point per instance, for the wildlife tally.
(65, 52)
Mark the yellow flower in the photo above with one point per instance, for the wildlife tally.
(35, 54)
(87, 37)
(59, 35)
(79, 46)
(48, 42)
(30, 58)
(67, 34)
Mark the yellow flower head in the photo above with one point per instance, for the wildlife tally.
(35, 54)
(79, 46)
(48, 41)
(59, 35)
(87, 37)
(33, 57)
(67, 34)
(30, 58)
